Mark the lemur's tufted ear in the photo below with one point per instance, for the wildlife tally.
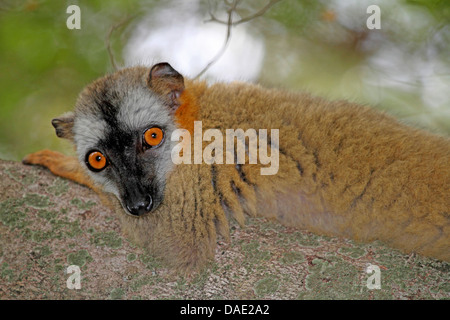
(167, 82)
(63, 125)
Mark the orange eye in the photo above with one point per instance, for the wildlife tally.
(153, 136)
(96, 161)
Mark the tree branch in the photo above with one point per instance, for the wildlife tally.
(229, 23)
(108, 38)
(257, 14)
(227, 38)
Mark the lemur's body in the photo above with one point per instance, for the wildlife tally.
(344, 170)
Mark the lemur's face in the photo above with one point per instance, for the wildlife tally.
(122, 126)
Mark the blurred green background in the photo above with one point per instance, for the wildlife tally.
(319, 46)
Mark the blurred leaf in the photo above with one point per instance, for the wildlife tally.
(296, 15)
(438, 8)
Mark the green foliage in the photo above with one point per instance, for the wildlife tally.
(44, 65)
(438, 8)
(296, 15)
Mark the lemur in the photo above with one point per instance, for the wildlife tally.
(345, 169)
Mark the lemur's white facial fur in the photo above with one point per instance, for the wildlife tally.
(111, 117)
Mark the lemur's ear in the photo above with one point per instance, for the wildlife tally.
(167, 82)
(63, 125)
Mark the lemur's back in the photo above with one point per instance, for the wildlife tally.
(344, 169)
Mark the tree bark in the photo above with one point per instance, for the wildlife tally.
(48, 224)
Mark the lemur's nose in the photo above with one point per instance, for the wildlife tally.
(141, 206)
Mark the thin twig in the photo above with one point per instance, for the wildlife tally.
(227, 38)
(108, 38)
(229, 23)
(257, 14)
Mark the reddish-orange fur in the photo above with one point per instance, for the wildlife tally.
(187, 112)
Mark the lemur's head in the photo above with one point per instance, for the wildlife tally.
(121, 127)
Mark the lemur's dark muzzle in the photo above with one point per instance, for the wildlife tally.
(138, 207)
